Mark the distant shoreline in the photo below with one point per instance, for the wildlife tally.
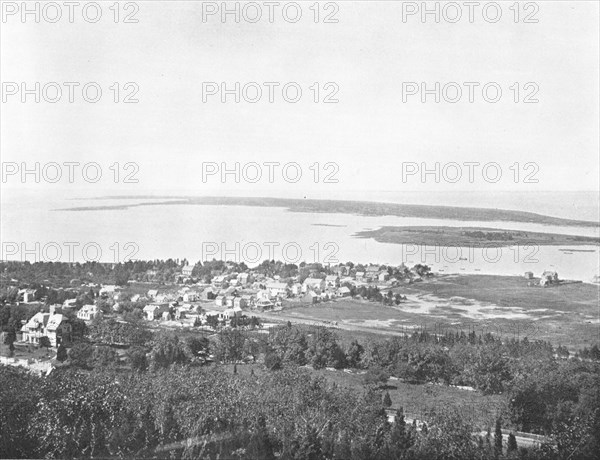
(472, 236)
(363, 208)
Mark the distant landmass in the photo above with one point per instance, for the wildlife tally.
(471, 236)
(364, 208)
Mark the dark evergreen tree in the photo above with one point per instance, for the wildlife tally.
(498, 439)
(387, 400)
(512, 444)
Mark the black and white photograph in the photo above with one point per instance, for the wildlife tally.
(304, 230)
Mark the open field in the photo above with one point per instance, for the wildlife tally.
(421, 401)
(505, 305)
(471, 237)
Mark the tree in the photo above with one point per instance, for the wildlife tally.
(45, 342)
(61, 353)
(212, 321)
(80, 354)
(137, 358)
(387, 401)
(10, 337)
(229, 346)
(512, 443)
(376, 376)
(167, 350)
(104, 356)
(354, 354)
(272, 361)
(498, 439)
(400, 439)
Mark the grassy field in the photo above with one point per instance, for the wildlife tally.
(504, 305)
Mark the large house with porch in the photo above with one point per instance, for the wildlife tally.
(51, 325)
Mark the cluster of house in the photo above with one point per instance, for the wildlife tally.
(233, 293)
(548, 278)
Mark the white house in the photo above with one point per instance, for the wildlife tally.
(108, 290)
(155, 310)
(313, 284)
(332, 281)
(245, 278)
(263, 294)
(231, 313)
(219, 281)
(191, 296)
(296, 289)
(343, 291)
(241, 302)
(89, 312)
(383, 277)
(229, 301)
(220, 301)
(51, 325)
(27, 295)
(70, 303)
(278, 289)
(187, 270)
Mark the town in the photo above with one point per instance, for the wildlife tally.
(115, 321)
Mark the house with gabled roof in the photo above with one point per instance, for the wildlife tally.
(155, 310)
(52, 325)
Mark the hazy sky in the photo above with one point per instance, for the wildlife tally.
(368, 134)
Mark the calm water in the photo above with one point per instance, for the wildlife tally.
(254, 234)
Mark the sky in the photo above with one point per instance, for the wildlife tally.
(371, 140)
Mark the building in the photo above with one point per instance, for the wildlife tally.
(27, 295)
(220, 301)
(229, 301)
(529, 275)
(51, 325)
(155, 310)
(549, 277)
(311, 284)
(89, 312)
(187, 270)
(264, 304)
(245, 278)
(263, 294)
(241, 302)
(152, 293)
(383, 277)
(107, 290)
(310, 297)
(332, 281)
(232, 313)
(70, 303)
(278, 289)
(344, 291)
(219, 281)
(190, 296)
(373, 270)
